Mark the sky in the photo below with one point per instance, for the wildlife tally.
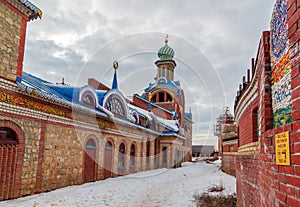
(213, 41)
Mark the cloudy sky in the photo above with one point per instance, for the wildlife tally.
(214, 41)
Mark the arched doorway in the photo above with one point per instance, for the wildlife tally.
(165, 157)
(108, 159)
(90, 156)
(8, 162)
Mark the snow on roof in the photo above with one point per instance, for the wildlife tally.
(170, 84)
(153, 104)
(170, 124)
(69, 95)
(141, 111)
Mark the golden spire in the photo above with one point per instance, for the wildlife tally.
(116, 65)
(166, 39)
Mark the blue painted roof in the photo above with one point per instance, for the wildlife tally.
(61, 91)
(170, 84)
(100, 94)
(188, 115)
(115, 81)
(69, 93)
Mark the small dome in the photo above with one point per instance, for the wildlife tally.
(165, 53)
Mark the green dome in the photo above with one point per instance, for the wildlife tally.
(165, 53)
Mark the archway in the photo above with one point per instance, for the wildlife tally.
(108, 159)
(11, 154)
(165, 157)
(90, 156)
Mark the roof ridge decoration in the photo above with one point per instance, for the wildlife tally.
(27, 8)
(32, 7)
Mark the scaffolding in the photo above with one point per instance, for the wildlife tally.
(225, 118)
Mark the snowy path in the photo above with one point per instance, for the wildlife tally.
(160, 188)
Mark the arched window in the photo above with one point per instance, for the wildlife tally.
(7, 136)
(154, 98)
(122, 156)
(90, 144)
(89, 100)
(169, 98)
(163, 72)
(108, 146)
(161, 97)
(88, 97)
(132, 156)
(115, 106)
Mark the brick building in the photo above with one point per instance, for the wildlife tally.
(54, 135)
(267, 162)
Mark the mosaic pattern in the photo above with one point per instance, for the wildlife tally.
(281, 66)
(279, 28)
(19, 101)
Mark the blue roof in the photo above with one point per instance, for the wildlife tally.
(61, 91)
(170, 84)
(69, 93)
(188, 115)
(100, 94)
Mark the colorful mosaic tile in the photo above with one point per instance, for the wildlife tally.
(281, 65)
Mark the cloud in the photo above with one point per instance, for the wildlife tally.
(213, 42)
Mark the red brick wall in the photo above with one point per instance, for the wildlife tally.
(157, 111)
(260, 181)
(245, 124)
(226, 147)
(247, 181)
(228, 164)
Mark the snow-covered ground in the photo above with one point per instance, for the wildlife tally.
(160, 188)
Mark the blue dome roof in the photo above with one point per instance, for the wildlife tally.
(165, 53)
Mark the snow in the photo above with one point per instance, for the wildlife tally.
(160, 187)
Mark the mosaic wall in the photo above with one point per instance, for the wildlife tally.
(281, 65)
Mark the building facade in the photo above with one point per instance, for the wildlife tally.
(52, 136)
(267, 116)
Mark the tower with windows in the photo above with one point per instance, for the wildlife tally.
(165, 91)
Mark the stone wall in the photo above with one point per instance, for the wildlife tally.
(12, 31)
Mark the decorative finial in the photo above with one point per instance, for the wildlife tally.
(116, 65)
(166, 39)
(115, 80)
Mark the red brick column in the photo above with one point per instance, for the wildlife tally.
(40, 161)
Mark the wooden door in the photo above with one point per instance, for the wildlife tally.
(108, 159)
(8, 163)
(90, 161)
